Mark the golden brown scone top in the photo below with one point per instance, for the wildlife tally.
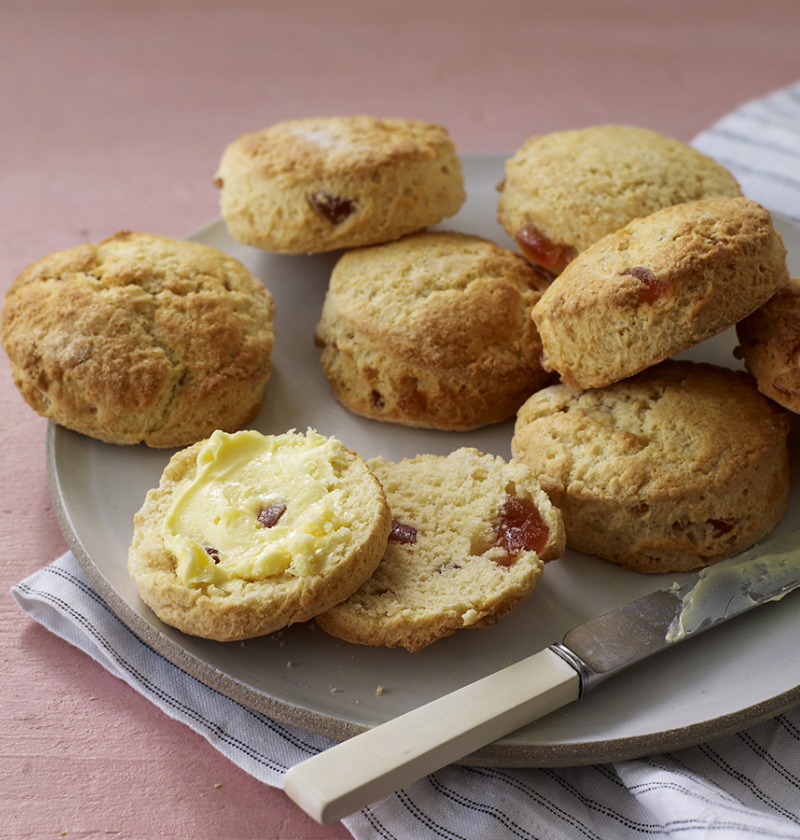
(140, 338)
(441, 298)
(574, 187)
(650, 435)
(338, 146)
(658, 286)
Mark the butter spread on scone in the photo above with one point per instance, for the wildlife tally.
(246, 534)
(256, 506)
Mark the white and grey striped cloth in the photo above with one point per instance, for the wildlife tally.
(760, 144)
(742, 786)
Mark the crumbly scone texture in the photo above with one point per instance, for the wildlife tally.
(675, 468)
(575, 187)
(318, 184)
(658, 286)
(455, 573)
(140, 338)
(433, 330)
(769, 344)
(242, 609)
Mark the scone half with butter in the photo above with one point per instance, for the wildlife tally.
(677, 467)
(249, 533)
(471, 534)
(317, 184)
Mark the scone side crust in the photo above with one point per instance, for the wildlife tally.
(711, 262)
(414, 395)
(769, 344)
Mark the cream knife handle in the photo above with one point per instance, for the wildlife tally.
(374, 764)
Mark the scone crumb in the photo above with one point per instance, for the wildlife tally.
(379, 691)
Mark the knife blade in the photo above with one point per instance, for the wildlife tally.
(382, 760)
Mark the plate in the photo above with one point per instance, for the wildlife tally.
(725, 680)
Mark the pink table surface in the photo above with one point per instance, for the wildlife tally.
(114, 116)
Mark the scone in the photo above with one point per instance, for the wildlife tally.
(564, 191)
(680, 466)
(470, 536)
(248, 533)
(311, 185)
(140, 338)
(769, 343)
(433, 330)
(658, 286)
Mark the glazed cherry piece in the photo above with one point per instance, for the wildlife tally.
(269, 515)
(331, 207)
(540, 250)
(520, 527)
(212, 553)
(402, 533)
(413, 402)
(654, 289)
(721, 525)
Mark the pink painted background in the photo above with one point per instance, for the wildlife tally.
(114, 114)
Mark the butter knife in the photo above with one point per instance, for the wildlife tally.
(375, 763)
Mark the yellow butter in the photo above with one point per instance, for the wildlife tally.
(727, 588)
(213, 526)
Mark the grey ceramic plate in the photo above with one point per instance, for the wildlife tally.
(723, 681)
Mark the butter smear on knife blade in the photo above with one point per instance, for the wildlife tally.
(734, 586)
